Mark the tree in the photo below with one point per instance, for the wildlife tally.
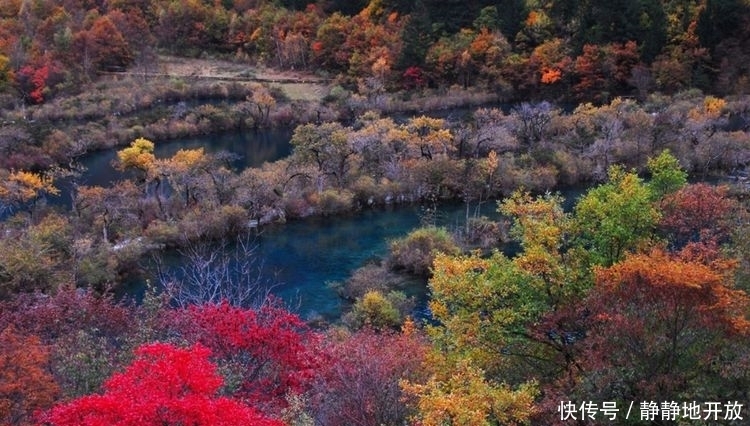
(139, 155)
(359, 383)
(89, 336)
(114, 209)
(616, 217)
(551, 61)
(327, 147)
(667, 176)
(264, 102)
(698, 213)
(102, 48)
(183, 171)
(530, 122)
(429, 136)
(36, 258)
(163, 385)
(210, 273)
(329, 48)
(658, 324)
(24, 188)
(479, 352)
(604, 70)
(25, 382)
(36, 80)
(543, 229)
(267, 352)
(464, 397)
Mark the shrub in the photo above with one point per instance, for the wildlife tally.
(334, 202)
(416, 251)
(368, 278)
(485, 233)
(379, 311)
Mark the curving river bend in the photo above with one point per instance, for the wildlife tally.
(303, 256)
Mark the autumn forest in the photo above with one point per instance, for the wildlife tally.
(626, 304)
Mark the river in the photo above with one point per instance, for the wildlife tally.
(301, 257)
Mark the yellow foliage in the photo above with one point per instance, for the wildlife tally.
(22, 187)
(139, 155)
(713, 106)
(185, 160)
(461, 396)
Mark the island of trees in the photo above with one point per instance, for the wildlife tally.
(634, 293)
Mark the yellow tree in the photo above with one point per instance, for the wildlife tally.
(465, 398)
(264, 102)
(542, 227)
(482, 306)
(430, 136)
(183, 171)
(24, 188)
(139, 156)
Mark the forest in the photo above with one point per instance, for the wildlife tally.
(633, 295)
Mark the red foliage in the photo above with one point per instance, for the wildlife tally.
(36, 78)
(360, 382)
(658, 315)
(414, 78)
(164, 385)
(604, 69)
(66, 312)
(650, 330)
(698, 212)
(275, 348)
(34, 81)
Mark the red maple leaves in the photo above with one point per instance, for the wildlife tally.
(165, 385)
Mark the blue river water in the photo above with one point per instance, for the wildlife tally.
(300, 257)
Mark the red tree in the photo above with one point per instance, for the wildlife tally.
(25, 382)
(698, 213)
(165, 385)
(269, 351)
(359, 385)
(657, 323)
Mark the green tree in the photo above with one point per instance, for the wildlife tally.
(667, 176)
(616, 217)
(542, 228)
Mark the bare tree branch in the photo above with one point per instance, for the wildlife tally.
(229, 270)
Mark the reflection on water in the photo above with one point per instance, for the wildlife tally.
(253, 148)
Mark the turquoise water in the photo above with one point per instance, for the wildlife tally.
(301, 257)
(304, 256)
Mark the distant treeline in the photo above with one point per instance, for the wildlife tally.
(560, 49)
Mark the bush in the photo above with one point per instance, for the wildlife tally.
(379, 311)
(415, 252)
(485, 233)
(229, 219)
(334, 202)
(368, 278)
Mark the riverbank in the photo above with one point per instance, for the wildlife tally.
(188, 98)
(335, 166)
